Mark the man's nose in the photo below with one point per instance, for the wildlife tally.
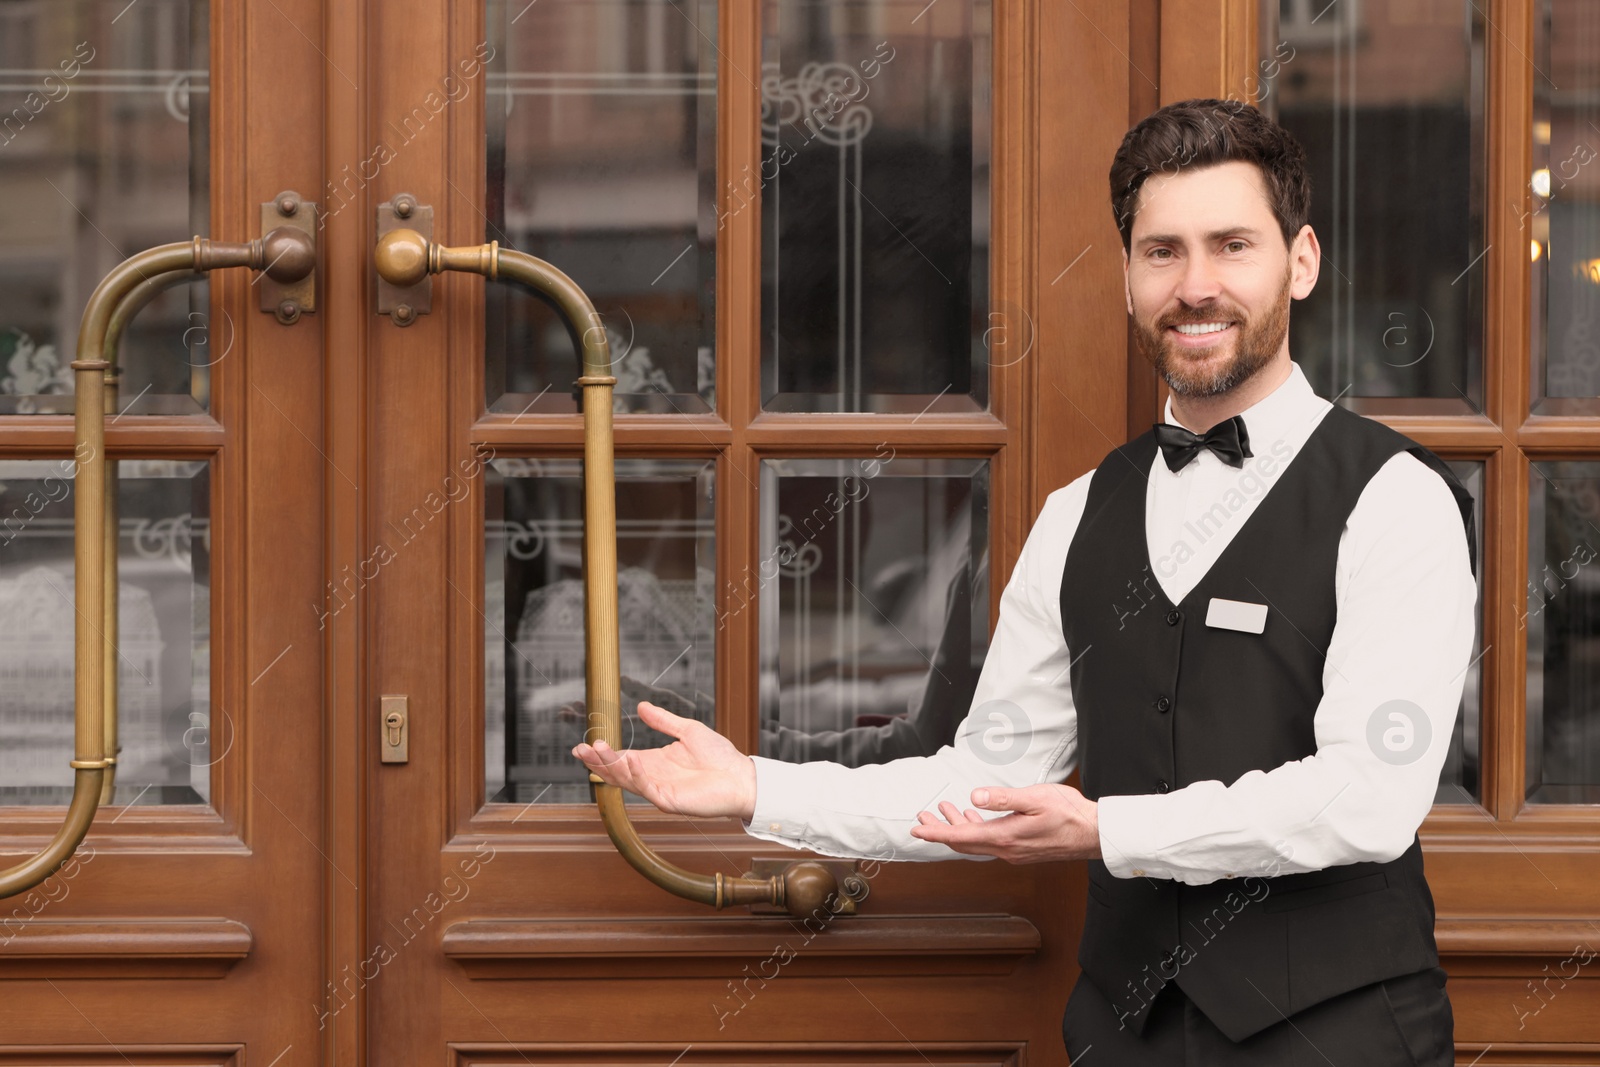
(1200, 282)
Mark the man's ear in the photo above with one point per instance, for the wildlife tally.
(1127, 288)
(1305, 263)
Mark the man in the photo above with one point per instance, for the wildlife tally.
(1249, 629)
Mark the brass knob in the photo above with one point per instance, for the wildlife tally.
(809, 888)
(402, 258)
(288, 255)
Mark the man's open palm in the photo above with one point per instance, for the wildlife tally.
(700, 773)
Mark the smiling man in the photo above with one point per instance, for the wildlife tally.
(1248, 630)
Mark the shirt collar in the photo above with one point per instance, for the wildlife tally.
(1280, 415)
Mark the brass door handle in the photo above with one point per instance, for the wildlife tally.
(286, 254)
(404, 258)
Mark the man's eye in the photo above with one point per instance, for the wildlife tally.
(1235, 246)
(1161, 253)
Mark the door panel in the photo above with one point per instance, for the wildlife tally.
(136, 135)
(487, 909)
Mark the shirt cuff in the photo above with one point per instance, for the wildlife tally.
(1129, 841)
(1138, 840)
(780, 809)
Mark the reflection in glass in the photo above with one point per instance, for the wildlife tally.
(1387, 99)
(873, 589)
(1562, 617)
(104, 146)
(533, 599)
(167, 731)
(1561, 226)
(601, 121)
(874, 191)
(1459, 779)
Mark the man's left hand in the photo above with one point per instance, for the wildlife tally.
(1046, 822)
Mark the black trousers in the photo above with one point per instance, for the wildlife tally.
(1401, 1022)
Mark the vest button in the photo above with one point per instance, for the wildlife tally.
(1173, 616)
(1163, 704)
(1168, 960)
(1162, 786)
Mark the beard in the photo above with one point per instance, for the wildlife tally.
(1258, 341)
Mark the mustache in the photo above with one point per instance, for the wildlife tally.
(1207, 315)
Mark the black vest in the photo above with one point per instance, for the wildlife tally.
(1163, 701)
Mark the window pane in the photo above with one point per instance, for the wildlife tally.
(601, 120)
(1388, 101)
(533, 632)
(103, 153)
(1459, 780)
(874, 192)
(1562, 616)
(168, 734)
(1562, 228)
(874, 598)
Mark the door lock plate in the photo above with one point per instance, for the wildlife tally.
(394, 723)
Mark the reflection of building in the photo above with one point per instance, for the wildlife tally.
(601, 128)
(96, 163)
(666, 640)
(164, 626)
(1385, 95)
(204, 742)
(36, 687)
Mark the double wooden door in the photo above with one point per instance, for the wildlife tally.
(812, 233)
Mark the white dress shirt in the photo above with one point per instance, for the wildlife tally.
(1406, 621)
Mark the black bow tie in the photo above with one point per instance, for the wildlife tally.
(1227, 439)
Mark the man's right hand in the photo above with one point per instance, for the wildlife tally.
(699, 774)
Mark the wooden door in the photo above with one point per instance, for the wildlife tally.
(194, 905)
(806, 228)
(836, 289)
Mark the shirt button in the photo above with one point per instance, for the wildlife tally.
(1163, 704)
(1173, 616)
(1162, 786)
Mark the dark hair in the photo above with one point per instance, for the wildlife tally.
(1191, 134)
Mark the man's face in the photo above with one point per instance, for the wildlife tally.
(1208, 277)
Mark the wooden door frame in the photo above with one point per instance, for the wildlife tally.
(346, 743)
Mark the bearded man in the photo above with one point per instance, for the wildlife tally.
(1248, 630)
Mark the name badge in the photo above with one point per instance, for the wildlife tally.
(1237, 615)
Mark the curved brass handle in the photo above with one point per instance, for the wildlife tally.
(403, 258)
(282, 253)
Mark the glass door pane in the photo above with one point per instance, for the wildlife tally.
(875, 205)
(104, 152)
(601, 121)
(168, 738)
(1388, 101)
(874, 599)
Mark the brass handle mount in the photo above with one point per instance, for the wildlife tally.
(404, 259)
(290, 226)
